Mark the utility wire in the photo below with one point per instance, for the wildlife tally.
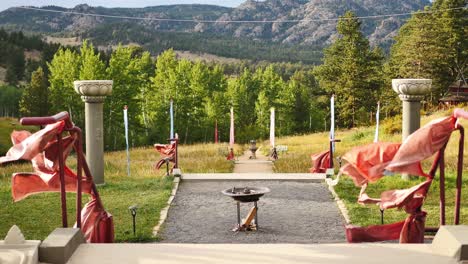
(238, 21)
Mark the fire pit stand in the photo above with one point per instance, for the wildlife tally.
(246, 195)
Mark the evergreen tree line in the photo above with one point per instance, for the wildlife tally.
(12, 48)
(202, 95)
(430, 45)
(157, 42)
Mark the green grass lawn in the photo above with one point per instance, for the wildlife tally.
(6, 126)
(39, 214)
(297, 159)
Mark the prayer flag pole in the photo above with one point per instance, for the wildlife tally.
(125, 110)
(377, 121)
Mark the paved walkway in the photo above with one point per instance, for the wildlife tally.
(246, 165)
(299, 208)
(294, 212)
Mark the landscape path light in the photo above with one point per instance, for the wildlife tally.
(133, 211)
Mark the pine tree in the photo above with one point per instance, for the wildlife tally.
(34, 101)
(351, 71)
(433, 45)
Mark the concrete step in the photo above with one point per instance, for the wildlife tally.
(253, 162)
(304, 177)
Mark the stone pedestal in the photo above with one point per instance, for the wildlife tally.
(411, 92)
(93, 93)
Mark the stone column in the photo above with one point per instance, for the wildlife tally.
(93, 93)
(411, 92)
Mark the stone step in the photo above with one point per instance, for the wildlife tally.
(305, 177)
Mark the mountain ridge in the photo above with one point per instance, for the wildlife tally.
(305, 32)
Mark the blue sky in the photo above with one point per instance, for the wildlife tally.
(4, 4)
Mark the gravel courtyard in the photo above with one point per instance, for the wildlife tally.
(293, 212)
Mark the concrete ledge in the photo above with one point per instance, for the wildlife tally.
(303, 177)
(452, 241)
(60, 245)
(257, 253)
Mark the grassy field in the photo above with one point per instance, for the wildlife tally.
(297, 159)
(149, 189)
(6, 126)
(38, 215)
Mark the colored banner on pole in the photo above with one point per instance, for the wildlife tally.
(231, 130)
(171, 112)
(377, 121)
(332, 123)
(216, 132)
(272, 127)
(125, 110)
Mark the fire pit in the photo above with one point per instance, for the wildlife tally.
(246, 195)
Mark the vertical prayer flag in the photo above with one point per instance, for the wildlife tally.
(171, 112)
(231, 131)
(377, 121)
(125, 110)
(272, 127)
(332, 122)
(216, 132)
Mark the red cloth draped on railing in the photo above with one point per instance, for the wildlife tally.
(42, 149)
(368, 163)
(168, 153)
(320, 162)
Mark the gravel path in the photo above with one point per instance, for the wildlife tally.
(246, 165)
(294, 212)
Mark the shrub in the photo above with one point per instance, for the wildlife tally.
(392, 125)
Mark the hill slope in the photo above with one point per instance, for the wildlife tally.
(380, 31)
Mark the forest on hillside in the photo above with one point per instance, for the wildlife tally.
(430, 45)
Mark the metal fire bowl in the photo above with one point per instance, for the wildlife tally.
(239, 194)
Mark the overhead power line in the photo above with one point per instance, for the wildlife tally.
(237, 21)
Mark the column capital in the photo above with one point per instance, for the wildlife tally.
(93, 91)
(93, 99)
(411, 98)
(412, 90)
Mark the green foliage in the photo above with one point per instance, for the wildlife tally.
(158, 41)
(434, 46)
(130, 69)
(90, 67)
(64, 70)
(34, 101)
(13, 46)
(352, 72)
(9, 100)
(16, 64)
(7, 125)
(392, 125)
